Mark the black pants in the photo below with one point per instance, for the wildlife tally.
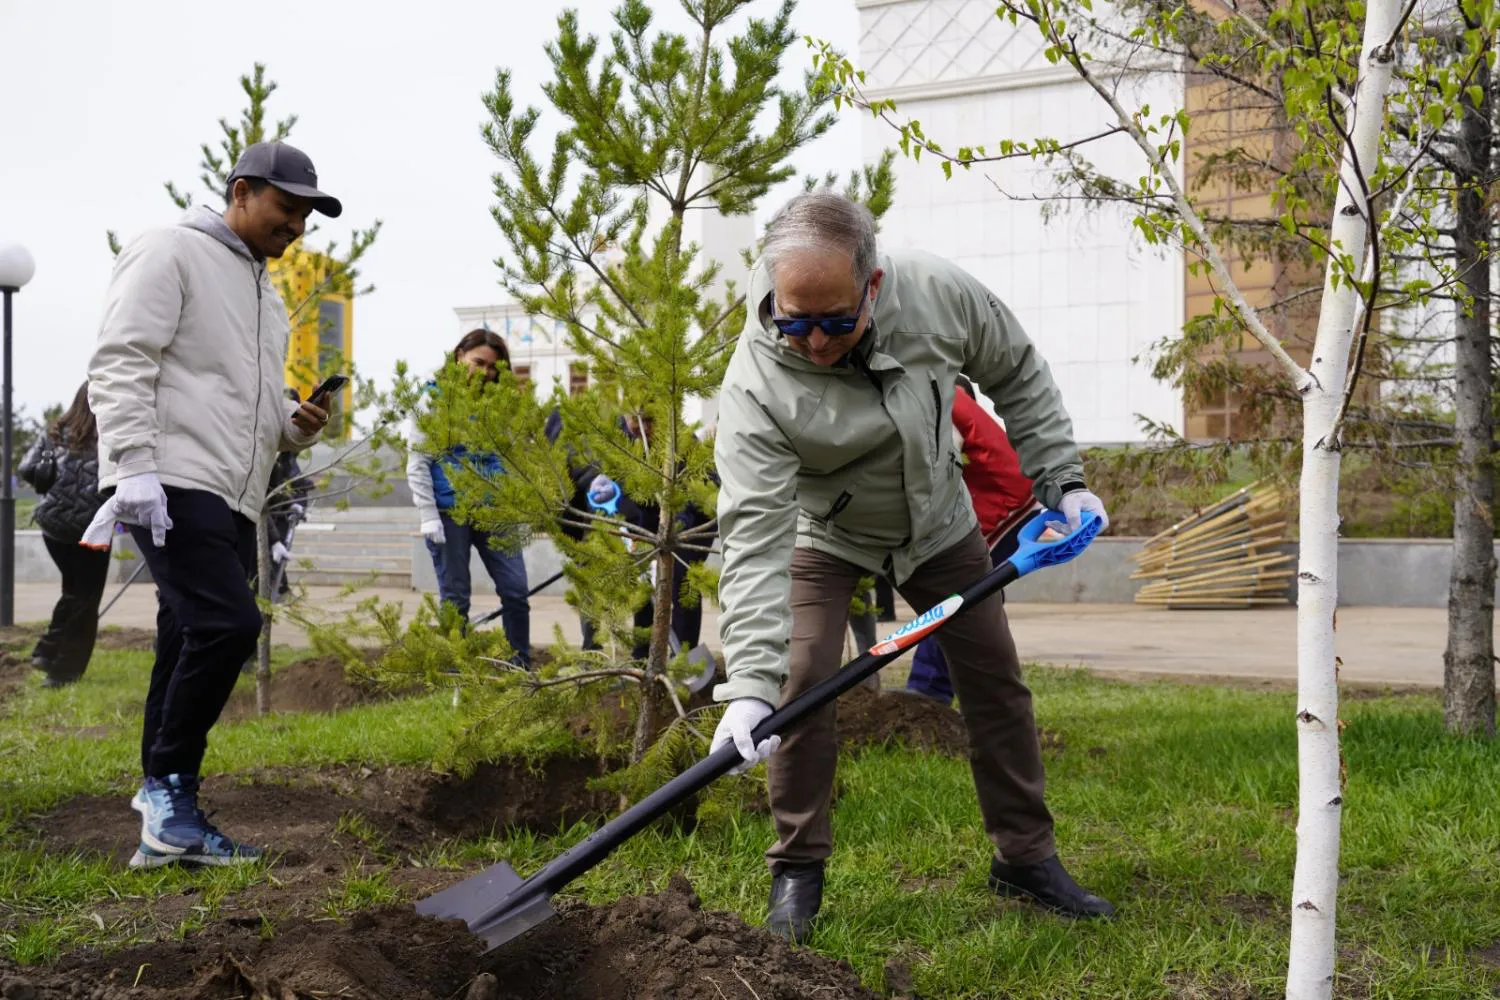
(68, 643)
(207, 625)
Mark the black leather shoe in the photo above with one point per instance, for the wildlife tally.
(1049, 884)
(796, 896)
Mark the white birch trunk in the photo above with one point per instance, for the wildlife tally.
(1320, 798)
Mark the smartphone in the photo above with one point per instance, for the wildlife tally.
(327, 388)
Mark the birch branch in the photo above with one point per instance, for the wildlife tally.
(1300, 376)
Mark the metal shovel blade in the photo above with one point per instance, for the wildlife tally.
(473, 901)
(700, 655)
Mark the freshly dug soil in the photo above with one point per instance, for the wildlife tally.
(871, 719)
(663, 946)
(639, 948)
(16, 643)
(383, 954)
(886, 718)
(323, 818)
(319, 684)
(14, 669)
(126, 638)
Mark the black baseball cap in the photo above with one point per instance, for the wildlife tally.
(288, 169)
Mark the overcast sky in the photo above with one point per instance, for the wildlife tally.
(100, 102)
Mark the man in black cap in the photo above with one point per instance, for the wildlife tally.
(186, 383)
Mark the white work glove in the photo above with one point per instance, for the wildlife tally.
(101, 530)
(299, 509)
(1075, 503)
(279, 552)
(433, 531)
(740, 718)
(141, 501)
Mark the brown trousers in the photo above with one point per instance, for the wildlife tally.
(1003, 748)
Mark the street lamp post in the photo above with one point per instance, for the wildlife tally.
(16, 268)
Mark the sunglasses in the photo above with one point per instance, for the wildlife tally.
(833, 326)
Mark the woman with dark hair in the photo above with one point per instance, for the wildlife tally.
(63, 466)
(450, 542)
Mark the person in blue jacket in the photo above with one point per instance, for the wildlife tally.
(449, 542)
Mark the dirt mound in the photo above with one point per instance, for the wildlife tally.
(889, 718)
(319, 684)
(381, 954)
(638, 948)
(547, 796)
(16, 642)
(121, 637)
(870, 719)
(663, 946)
(14, 670)
(328, 817)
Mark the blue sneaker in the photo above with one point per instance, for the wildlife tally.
(174, 829)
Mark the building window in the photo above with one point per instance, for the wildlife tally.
(522, 373)
(330, 331)
(578, 379)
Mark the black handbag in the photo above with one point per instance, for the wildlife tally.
(39, 467)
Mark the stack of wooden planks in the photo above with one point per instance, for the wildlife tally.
(1222, 557)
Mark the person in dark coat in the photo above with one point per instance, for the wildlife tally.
(63, 466)
(687, 623)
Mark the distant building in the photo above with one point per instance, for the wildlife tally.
(1086, 291)
(322, 317)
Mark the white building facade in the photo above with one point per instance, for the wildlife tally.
(1082, 283)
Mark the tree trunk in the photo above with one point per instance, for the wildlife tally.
(1469, 660)
(263, 586)
(648, 720)
(1320, 796)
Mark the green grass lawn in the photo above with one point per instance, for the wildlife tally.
(1175, 801)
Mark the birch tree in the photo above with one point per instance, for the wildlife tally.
(1329, 69)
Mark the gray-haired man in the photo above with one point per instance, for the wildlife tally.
(835, 450)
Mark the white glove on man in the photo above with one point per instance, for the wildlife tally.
(141, 501)
(433, 531)
(741, 717)
(1075, 503)
(279, 552)
(101, 530)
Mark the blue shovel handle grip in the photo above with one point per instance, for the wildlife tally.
(1032, 553)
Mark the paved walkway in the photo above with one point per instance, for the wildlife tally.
(1381, 646)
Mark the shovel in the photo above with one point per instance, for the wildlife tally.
(499, 906)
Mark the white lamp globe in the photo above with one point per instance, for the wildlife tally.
(16, 265)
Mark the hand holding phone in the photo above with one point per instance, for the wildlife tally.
(327, 388)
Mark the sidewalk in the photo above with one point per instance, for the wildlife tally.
(1395, 646)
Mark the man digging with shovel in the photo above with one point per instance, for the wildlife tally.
(835, 450)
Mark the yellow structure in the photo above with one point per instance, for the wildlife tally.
(319, 301)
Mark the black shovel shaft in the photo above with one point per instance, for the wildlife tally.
(134, 574)
(530, 593)
(598, 845)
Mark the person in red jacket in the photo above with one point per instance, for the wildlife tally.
(1003, 502)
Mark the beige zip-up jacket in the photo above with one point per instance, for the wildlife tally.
(187, 379)
(858, 460)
